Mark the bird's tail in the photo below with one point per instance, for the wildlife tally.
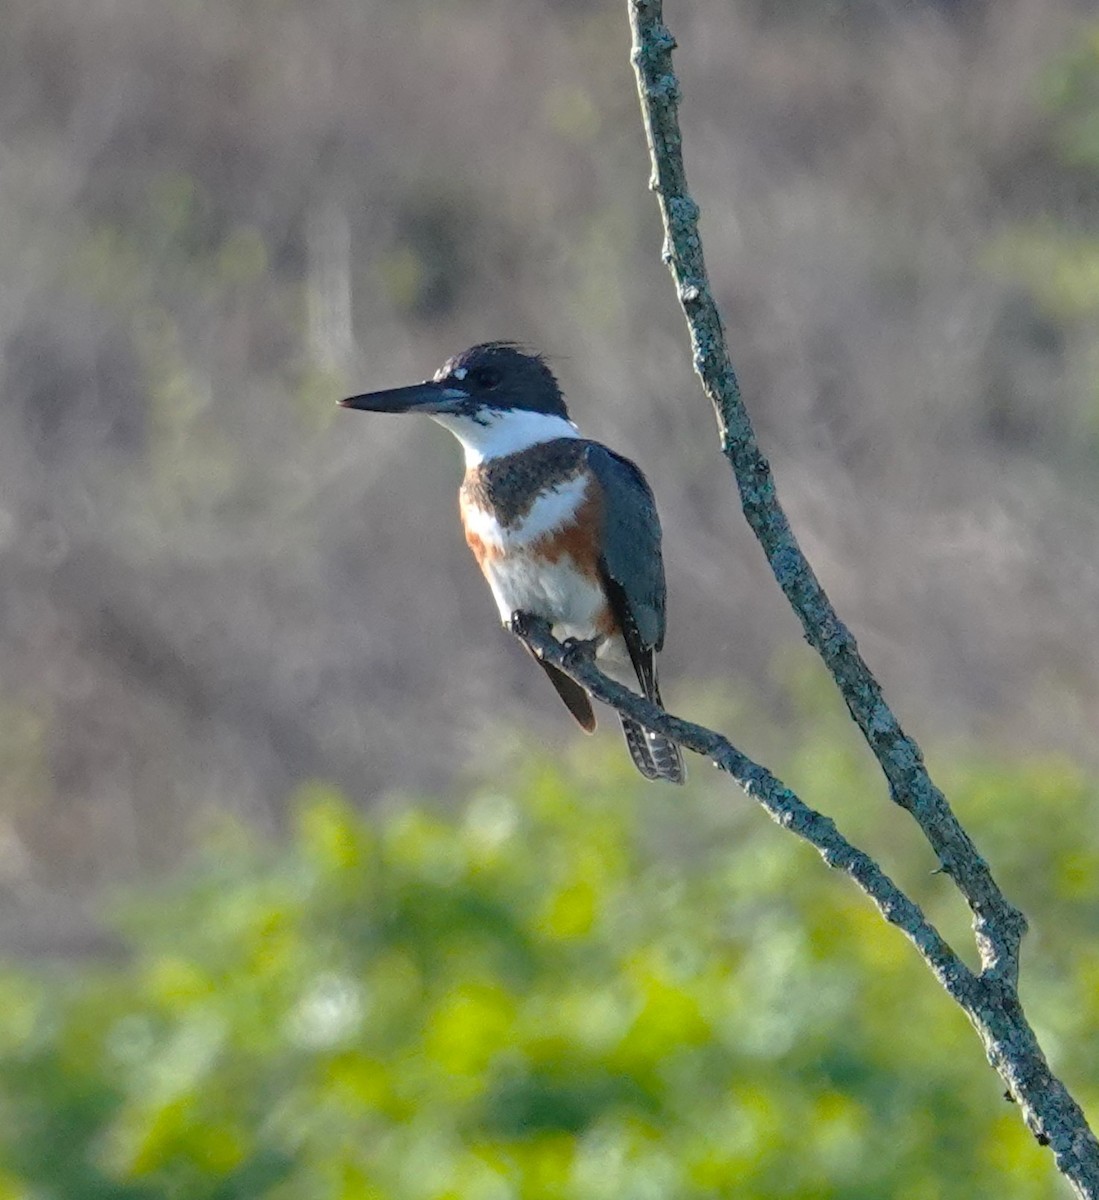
(653, 755)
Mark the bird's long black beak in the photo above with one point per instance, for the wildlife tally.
(429, 397)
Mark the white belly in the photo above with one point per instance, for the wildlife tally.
(557, 592)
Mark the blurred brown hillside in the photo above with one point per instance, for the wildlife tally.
(219, 217)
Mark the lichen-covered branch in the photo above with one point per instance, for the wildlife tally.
(992, 1005)
(780, 803)
(998, 926)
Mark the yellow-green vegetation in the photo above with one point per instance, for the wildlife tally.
(558, 989)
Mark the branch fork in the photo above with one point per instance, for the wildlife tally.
(989, 996)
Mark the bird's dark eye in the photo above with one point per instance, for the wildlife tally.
(487, 378)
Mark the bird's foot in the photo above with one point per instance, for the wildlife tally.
(579, 650)
(523, 624)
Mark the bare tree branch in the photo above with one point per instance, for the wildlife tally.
(999, 927)
(780, 803)
(990, 998)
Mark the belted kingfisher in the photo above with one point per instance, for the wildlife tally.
(562, 527)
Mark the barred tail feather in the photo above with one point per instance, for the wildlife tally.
(653, 755)
(667, 758)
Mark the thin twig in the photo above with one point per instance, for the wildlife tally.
(780, 803)
(992, 1006)
(1049, 1110)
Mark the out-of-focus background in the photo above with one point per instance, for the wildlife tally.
(217, 590)
(219, 218)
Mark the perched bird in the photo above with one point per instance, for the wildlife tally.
(562, 528)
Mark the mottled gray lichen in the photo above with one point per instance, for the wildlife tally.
(990, 996)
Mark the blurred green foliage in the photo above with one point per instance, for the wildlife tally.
(1071, 91)
(573, 986)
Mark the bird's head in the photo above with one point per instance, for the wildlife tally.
(480, 384)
